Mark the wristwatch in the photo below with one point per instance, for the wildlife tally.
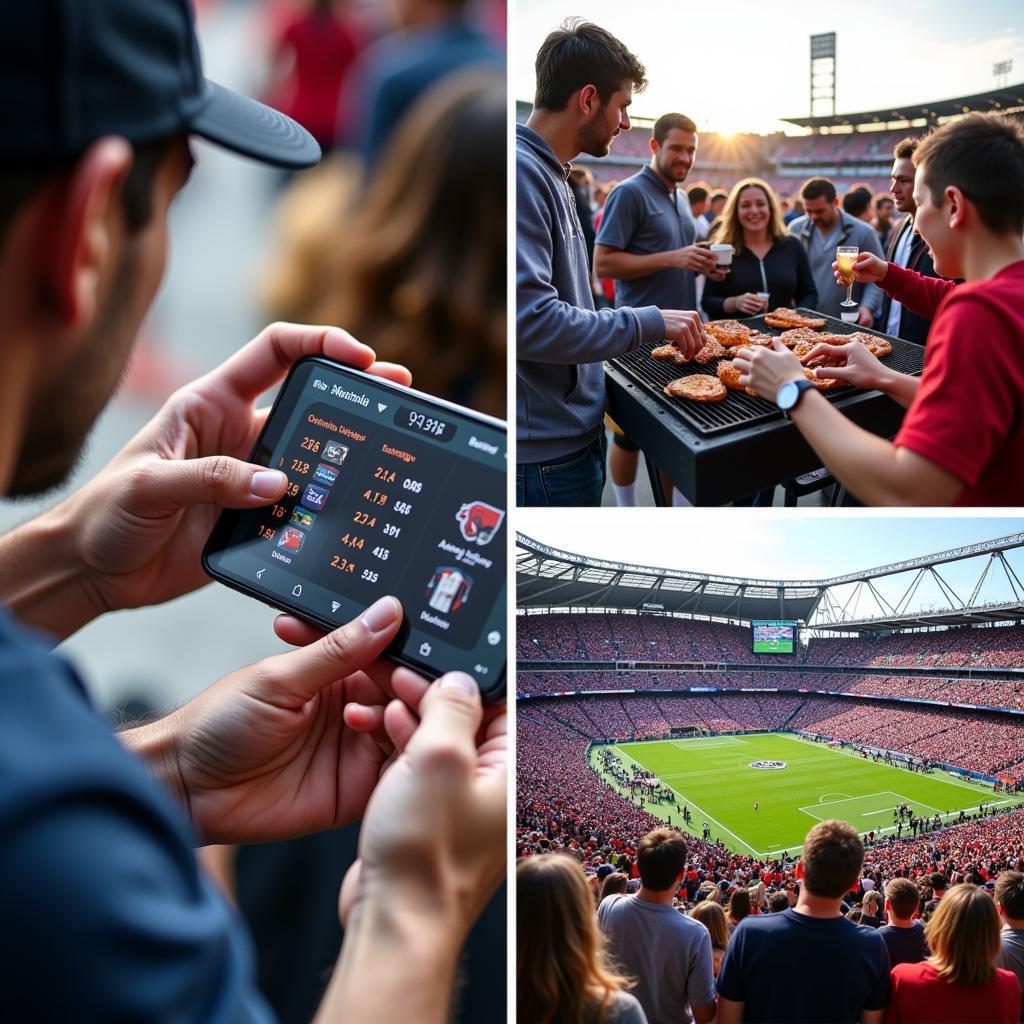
(789, 395)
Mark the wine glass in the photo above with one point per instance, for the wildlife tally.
(846, 256)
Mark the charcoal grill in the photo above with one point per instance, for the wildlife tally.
(719, 451)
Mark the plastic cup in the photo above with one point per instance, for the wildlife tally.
(850, 317)
(723, 254)
(763, 296)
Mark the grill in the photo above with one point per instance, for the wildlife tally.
(717, 452)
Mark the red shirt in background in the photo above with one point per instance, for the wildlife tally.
(968, 416)
(919, 996)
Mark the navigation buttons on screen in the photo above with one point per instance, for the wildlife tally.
(335, 605)
(425, 649)
(259, 573)
(494, 638)
(297, 590)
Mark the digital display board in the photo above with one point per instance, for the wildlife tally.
(773, 636)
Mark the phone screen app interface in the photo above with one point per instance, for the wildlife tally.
(387, 494)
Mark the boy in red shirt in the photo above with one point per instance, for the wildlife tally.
(962, 440)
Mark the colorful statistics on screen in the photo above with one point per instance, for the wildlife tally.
(773, 636)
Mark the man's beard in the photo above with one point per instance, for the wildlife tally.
(63, 410)
(595, 138)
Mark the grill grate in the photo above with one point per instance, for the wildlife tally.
(740, 409)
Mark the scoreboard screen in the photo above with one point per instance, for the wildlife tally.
(773, 636)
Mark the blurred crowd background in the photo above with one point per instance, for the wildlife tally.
(397, 236)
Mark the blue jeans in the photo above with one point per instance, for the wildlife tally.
(570, 480)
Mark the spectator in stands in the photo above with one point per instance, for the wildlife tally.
(766, 257)
(777, 902)
(959, 982)
(797, 210)
(712, 916)
(906, 249)
(858, 203)
(871, 910)
(650, 255)
(962, 439)
(563, 972)
(668, 953)
(809, 963)
(613, 883)
(885, 207)
(1010, 905)
(739, 908)
(585, 82)
(698, 196)
(904, 937)
(821, 230)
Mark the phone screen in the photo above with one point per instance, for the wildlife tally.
(389, 492)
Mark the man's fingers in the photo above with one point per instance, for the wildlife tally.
(450, 714)
(399, 724)
(824, 349)
(296, 632)
(394, 372)
(289, 680)
(162, 486)
(265, 360)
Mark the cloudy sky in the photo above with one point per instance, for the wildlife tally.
(733, 67)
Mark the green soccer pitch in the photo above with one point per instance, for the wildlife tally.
(713, 777)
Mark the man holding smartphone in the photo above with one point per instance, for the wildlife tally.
(101, 882)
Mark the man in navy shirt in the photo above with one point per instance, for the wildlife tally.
(809, 964)
(106, 915)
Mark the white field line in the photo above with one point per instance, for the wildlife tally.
(687, 800)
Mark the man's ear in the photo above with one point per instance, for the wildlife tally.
(85, 227)
(588, 100)
(957, 208)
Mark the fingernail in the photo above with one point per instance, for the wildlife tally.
(380, 614)
(267, 483)
(459, 681)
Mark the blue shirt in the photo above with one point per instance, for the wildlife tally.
(804, 970)
(106, 915)
(642, 216)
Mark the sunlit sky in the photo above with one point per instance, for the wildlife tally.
(799, 545)
(740, 65)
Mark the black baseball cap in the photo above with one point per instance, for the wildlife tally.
(73, 71)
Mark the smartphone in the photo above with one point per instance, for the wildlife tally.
(390, 491)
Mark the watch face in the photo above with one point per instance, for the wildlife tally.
(787, 395)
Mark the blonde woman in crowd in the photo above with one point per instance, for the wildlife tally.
(959, 983)
(563, 973)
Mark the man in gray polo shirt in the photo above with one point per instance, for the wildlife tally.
(667, 953)
(822, 229)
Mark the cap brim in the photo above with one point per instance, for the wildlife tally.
(253, 129)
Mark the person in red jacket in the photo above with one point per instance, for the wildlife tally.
(962, 439)
(959, 982)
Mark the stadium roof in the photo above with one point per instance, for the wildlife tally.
(1009, 98)
(547, 577)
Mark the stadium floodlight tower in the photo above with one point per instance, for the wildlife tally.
(823, 74)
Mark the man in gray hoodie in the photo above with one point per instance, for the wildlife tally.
(585, 83)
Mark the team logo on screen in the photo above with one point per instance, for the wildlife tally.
(334, 452)
(291, 539)
(448, 589)
(325, 474)
(302, 517)
(768, 765)
(315, 497)
(479, 522)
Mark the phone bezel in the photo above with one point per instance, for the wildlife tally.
(217, 541)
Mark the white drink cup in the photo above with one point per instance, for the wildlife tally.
(723, 254)
(763, 296)
(850, 317)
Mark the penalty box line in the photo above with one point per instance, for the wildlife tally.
(688, 801)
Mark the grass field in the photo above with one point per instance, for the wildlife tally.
(713, 777)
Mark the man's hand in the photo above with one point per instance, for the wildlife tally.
(851, 363)
(865, 318)
(133, 535)
(691, 257)
(684, 328)
(432, 850)
(290, 745)
(767, 369)
(718, 274)
(867, 269)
